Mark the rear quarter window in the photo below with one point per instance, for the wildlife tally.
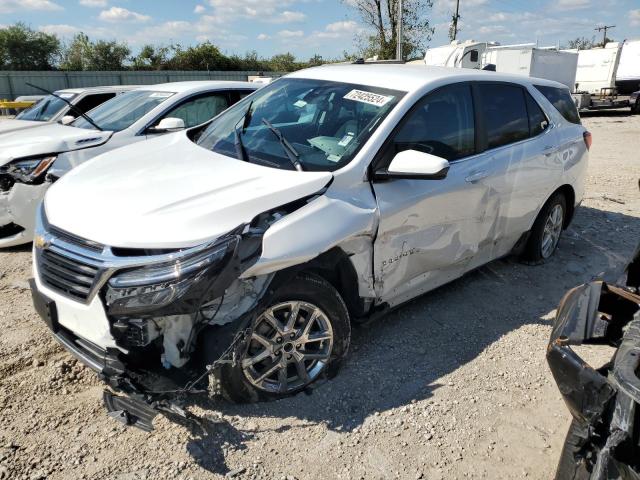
(561, 99)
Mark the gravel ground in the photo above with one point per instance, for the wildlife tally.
(453, 385)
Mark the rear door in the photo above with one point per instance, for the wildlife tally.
(429, 230)
(519, 146)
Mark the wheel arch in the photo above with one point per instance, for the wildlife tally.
(570, 198)
(336, 267)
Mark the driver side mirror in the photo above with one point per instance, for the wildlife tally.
(67, 119)
(415, 165)
(169, 124)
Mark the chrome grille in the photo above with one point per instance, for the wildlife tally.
(75, 240)
(67, 275)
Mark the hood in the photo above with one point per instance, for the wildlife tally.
(169, 193)
(13, 124)
(46, 138)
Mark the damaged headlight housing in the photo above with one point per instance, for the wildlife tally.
(151, 287)
(30, 169)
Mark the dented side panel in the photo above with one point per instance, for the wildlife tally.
(430, 230)
(331, 220)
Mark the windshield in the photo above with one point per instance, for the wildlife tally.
(326, 123)
(123, 110)
(46, 109)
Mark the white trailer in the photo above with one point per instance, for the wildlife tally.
(597, 68)
(595, 87)
(628, 74)
(531, 61)
(457, 54)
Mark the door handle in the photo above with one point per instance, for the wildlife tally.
(476, 176)
(549, 150)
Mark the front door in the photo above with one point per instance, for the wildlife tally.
(430, 230)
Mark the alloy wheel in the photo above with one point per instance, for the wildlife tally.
(289, 347)
(552, 230)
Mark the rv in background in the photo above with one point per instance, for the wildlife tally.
(547, 63)
(597, 68)
(525, 59)
(457, 54)
(628, 75)
(595, 87)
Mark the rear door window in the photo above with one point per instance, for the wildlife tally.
(441, 124)
(561, 99)
(538, 121)
(504, 112)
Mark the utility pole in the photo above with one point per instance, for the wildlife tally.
(399, 33)
(605, 28)
(455, 20)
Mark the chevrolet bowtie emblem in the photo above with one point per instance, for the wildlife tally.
(40, 242)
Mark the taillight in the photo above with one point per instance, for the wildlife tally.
(588, 140)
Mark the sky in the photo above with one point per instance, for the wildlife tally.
(308, 27)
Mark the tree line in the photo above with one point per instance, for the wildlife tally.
(22, 48)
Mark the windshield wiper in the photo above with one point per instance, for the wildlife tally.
(71, 105)
(291, 152)
(246, 118)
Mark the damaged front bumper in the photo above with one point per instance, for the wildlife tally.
(18, 207)
(155, 345)
(138, 408)
(603, 402)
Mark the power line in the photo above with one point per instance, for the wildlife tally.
(455, 20)
(605, 28)
(399, 34)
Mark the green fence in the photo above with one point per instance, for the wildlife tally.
(14, 83)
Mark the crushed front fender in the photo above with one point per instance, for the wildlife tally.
(604, 439)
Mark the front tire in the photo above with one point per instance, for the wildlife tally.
(299, 334)
(546, 231)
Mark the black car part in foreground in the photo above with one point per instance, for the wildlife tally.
(603, 441)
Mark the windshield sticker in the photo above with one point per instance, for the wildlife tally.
(160, 95)
(346, 139)
(300, 104)
(368, 97)
(334, 158)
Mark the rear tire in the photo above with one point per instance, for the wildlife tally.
(298, 350)
(547, 230)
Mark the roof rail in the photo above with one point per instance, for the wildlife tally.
(362, 61)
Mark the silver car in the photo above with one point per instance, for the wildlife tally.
(328, 196)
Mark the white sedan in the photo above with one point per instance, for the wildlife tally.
(31, 159)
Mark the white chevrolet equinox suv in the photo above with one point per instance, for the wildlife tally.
(331, 195)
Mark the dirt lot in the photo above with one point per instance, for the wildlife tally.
(454, 385)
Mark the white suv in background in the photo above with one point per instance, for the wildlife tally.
(52, 109)
(328, 196)
(31, 159)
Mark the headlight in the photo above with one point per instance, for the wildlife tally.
(155, 286)
(29, 169)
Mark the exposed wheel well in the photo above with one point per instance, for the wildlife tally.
(570, 198)
(335, 267)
